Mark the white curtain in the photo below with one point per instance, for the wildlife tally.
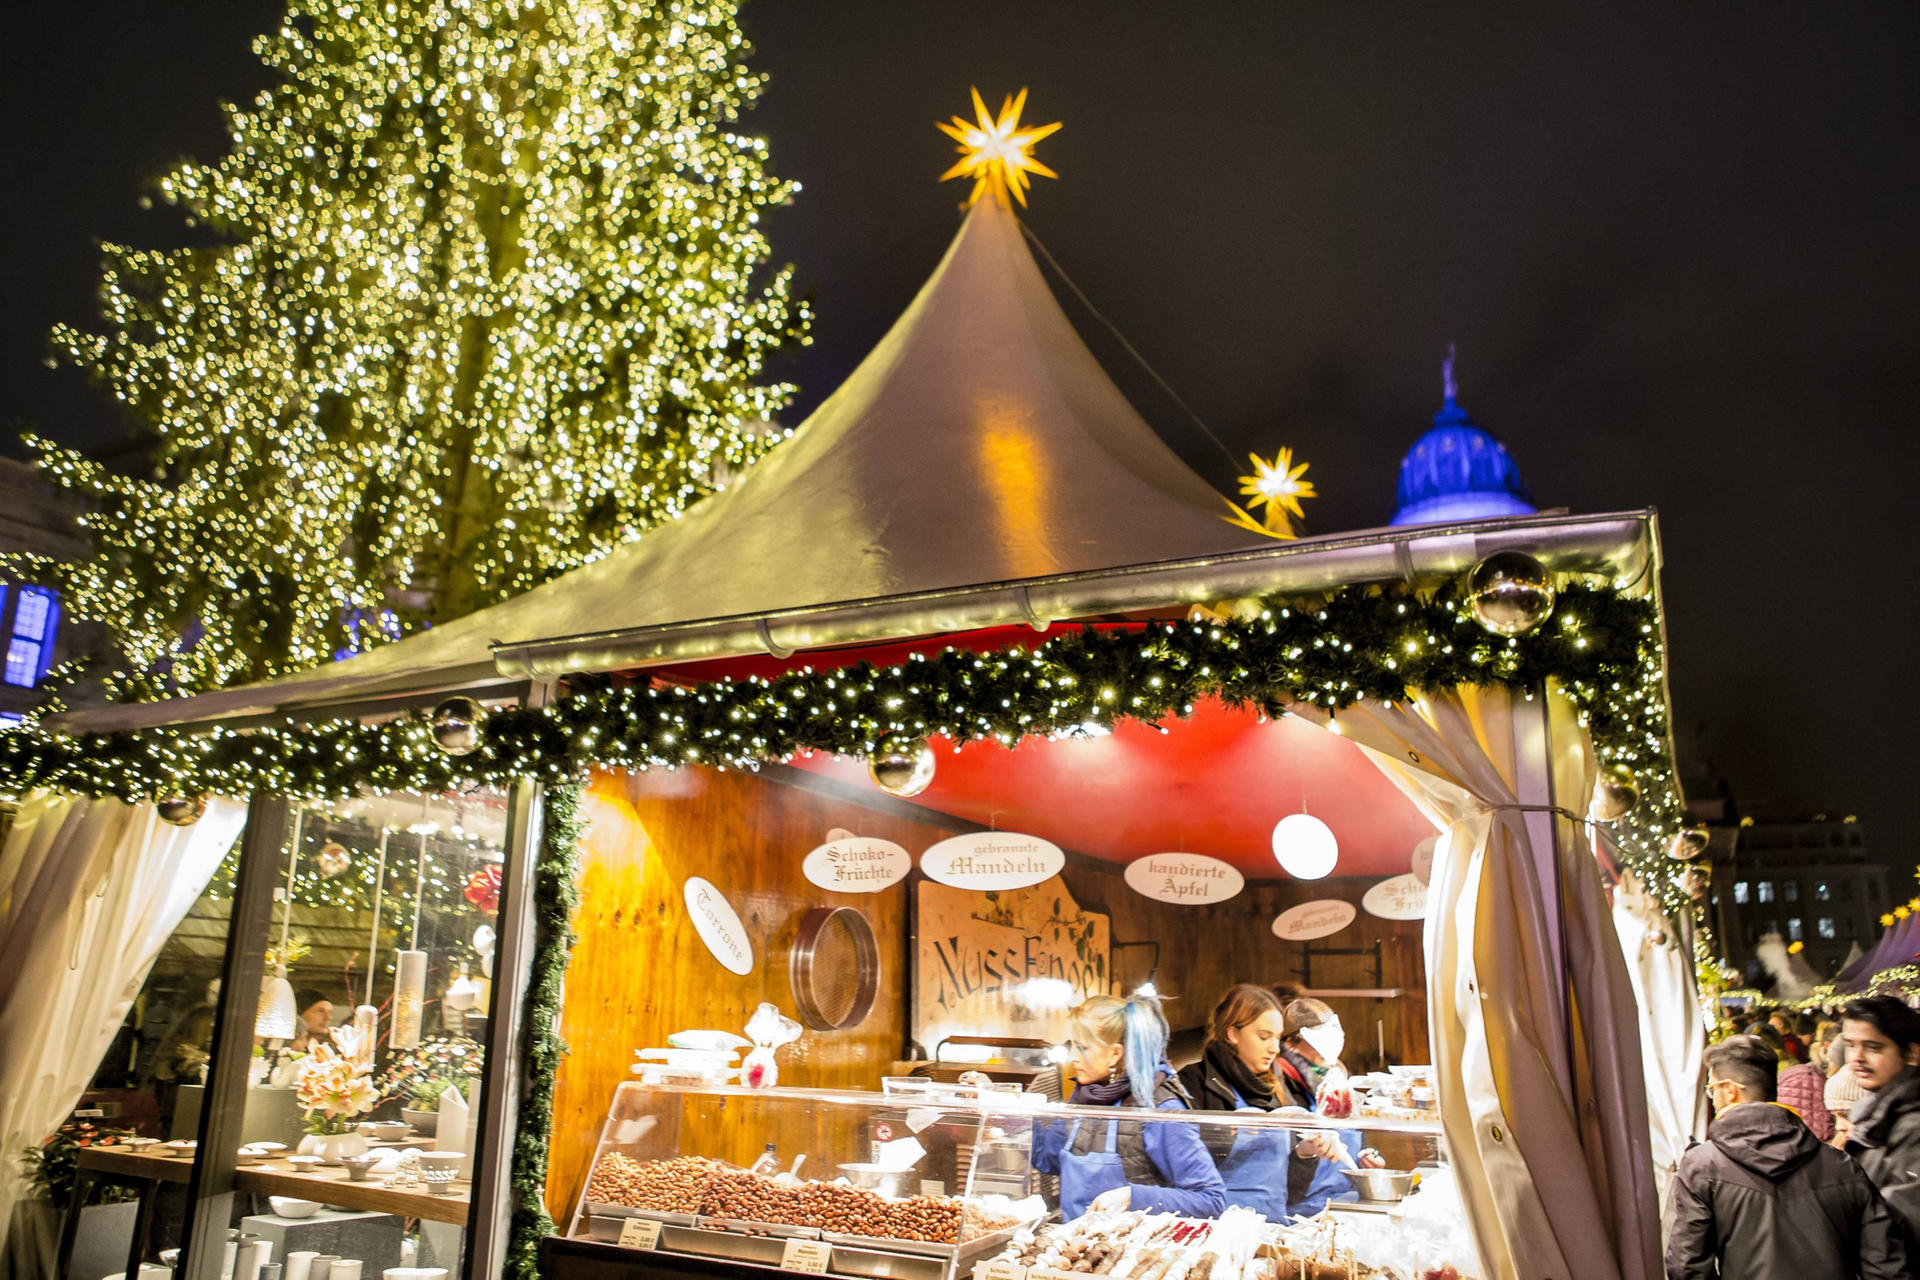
(1672, 1032)
(89, 891)
(1534, 1028)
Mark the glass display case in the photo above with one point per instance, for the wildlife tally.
(936, 1181)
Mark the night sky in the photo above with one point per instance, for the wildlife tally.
(1677, 249)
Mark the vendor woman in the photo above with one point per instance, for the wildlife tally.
(1310, 1049)
(1118, 1056)
(1235, 1073)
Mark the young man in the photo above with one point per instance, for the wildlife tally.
(1882, 1037)
(1763, 1198)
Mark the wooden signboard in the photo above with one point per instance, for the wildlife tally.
(1004, 963)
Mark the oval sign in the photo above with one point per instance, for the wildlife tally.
(1183, 877)
(1397, 898)
(992, 860)
(1423, 858)
(718, 925)
(1312, 920)
(857, 864)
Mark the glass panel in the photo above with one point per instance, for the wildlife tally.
(371, 1050)
(1823, 892)
(30, 620)
(1740, 893)
(1790, 890)
(1826, 927)
(1793, 930)
(23, 662)
(1766, 891)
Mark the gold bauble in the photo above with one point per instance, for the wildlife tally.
(1614, 793)
(901, 764)
(1510, 593)
(456, 725)
(180, 811)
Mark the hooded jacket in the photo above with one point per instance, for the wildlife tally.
(1763, 1198)
(1886, 1141)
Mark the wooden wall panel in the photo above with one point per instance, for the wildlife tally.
(640, 971)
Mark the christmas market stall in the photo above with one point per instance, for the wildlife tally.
(723, 904)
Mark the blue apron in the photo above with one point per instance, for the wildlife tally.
(1255, 1170)
(1084, 1176)
(1328, 1182)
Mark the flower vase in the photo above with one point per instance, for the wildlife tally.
(330, 1147)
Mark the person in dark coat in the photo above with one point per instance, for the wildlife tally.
(1882, 1037)
(1763, 1198)
(1119, 1061)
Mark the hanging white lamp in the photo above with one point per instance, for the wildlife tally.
(276, 1018)
(1305, 846)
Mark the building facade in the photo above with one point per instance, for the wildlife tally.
(36, 519)
(1810, 880)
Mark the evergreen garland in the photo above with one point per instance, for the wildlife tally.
(1600, 647)
(555, 894)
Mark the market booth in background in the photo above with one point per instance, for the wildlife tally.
(962, 706)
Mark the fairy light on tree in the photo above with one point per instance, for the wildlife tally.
(486, 301)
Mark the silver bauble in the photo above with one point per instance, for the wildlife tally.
(180, 811)
(1688, 843)
(901, 764)
(1614, 794)
(456, 725)
(1510, 593)
(1696, 882)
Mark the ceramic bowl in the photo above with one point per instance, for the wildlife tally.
(385, 1130)
(184, 1147)
(442, 1159)
(423, 1121)
(289, 1207)
(268, 1148)
(305, 1164)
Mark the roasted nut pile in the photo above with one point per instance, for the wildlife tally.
(664, 1186)
(854, 1211)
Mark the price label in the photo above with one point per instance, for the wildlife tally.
(640, 1233)
(808, 1257)
(1005, 1269)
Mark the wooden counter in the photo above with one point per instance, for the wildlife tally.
(275, 1178)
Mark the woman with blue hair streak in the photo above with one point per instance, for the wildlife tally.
(1118, 1055)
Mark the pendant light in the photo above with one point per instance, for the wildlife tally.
(410, 966)
(276, 1018)
(1305, 846)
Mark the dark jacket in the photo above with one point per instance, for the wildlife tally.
(1763, 1198)
(1886, 1142)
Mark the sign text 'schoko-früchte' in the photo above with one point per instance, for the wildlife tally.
(857, 864)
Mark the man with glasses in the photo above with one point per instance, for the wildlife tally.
(1762, 1197)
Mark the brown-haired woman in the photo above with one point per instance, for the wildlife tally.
(1235, 1073)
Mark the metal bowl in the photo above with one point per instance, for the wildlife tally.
(888, 1182)
(1381, 1185)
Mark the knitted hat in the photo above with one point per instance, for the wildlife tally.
(1843, 1090)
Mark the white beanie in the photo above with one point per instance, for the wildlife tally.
(1843, 1090)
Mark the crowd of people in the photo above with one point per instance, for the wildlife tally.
(1811, 1163)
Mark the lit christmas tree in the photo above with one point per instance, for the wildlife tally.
(484, 304)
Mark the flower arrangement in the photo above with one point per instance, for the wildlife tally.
(483, 888)
(53, 1165)
(333, 1090)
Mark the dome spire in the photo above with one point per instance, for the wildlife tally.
(1450, 388)
(1457, 470)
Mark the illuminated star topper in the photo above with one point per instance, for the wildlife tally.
(993, 152)
(1278, 487)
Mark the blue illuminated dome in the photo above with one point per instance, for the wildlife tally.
(1459, 472)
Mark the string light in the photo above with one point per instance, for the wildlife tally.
(1351, 645)
(485, 302)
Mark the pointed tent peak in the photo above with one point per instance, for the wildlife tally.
(994, 150)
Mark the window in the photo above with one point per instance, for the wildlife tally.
(30, 642)
(1740, 893)
(1793, 929)
(1826, 927)
(1823, 892)
(1789, 891)
(1766, 891)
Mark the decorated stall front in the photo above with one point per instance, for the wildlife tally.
(805, 829)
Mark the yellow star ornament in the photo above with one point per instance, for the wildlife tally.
(1278, 487)
(993, 151)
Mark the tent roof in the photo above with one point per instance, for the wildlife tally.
(979, 442)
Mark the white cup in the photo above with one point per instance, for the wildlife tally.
(300, 1264)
